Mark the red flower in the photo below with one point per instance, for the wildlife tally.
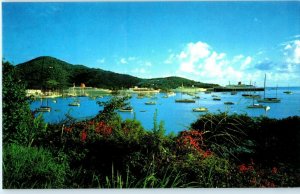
(207, 153)
(68, 129)
(83, 135)
(274, 170)
(243, 168)
(103, 129)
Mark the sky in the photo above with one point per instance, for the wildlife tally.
(212, 42)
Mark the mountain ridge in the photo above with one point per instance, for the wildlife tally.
(46, 72)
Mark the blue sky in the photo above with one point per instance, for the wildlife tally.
(213, 42)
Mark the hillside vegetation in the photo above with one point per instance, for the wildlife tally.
(51, 73)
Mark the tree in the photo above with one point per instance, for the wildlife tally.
(17, 117)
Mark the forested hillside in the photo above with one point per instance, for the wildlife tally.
(51, 73)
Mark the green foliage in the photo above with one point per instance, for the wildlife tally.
(109, 111)
(52, 73)
(45, 73)
(132, 131)
(17, 117)
(28, 167)
(225, 134)
(277, 140)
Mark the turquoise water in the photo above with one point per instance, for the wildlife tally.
(177, 116)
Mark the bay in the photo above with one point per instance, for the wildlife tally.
(176, 116)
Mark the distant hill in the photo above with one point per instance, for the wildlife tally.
(51, 73)
(172, 82)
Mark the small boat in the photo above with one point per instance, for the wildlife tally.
(256, 106)
(196, 97)
(246, 95)
(150, 103)
(75, 103)
(200, 109)
(288, 92)
(214, 95)
(43, 109)
(185, 100)
(217, 98)
(233, 92)
(252, 96)
(126, 109)
(207, 92)
(165, 96)
(269, 100)
(229, 103)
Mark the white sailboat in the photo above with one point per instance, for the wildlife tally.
(268, 100)
(76, 101)
(200, 109)
(44, 108)
(184, 100)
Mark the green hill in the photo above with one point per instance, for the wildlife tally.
(51, 73)
(172, 82)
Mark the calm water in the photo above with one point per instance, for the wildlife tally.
(177, 116)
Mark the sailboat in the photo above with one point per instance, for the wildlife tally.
(76, 101)
(200, 109)
(184, 100)
(43, 108)
(126, 109)
(268, 100)
(150, 103)
(255, 105)
(288, 91)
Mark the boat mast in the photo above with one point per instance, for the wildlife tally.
(265, 86)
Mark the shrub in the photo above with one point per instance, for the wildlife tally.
(17, 117)
(29, 167)
(225, 134)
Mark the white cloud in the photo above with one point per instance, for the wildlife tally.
(201, 62)
(131, 58)
(246, 63)
(292, 52)
(148, 64)
(123, 61)
(101, 61)
(139, 70)
(170, 59)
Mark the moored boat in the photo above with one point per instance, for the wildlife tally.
(256, 106)
(268, 100)
(217, 98)
(150, 103)
(185, 100)
(229, 103)
(200, 109)
(288, 92)
(126, 109)
(75, 103)
(43, 109)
